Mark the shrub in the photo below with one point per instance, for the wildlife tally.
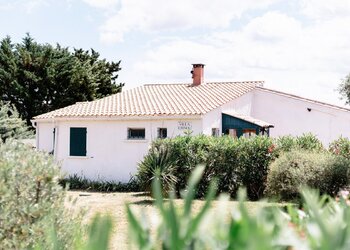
(285, 143)
(76, 182)
(158, 162)
(222, 164)
(184, 153)
(309, 142)
(341, 147)
(254, 157)
(295, 169)
(306, 141)
(336, 175)
(31, 200)
(234, 162)
(322, 224)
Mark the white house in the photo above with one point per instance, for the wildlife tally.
(106, 138)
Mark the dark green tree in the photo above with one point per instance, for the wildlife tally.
(11, 125)
(39, 78)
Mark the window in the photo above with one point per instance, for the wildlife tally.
(249, 133)
(162, 133)
(215, 132)
(77, 142)
(232, 132)
(136, 133)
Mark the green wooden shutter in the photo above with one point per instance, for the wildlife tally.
(77, 146)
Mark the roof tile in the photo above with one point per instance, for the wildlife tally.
(159, 99)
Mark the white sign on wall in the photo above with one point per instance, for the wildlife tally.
(181, 125)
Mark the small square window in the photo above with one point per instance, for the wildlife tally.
(162, 133)
(248, 133)
(136, 133)
(215, 132)
(232, 132)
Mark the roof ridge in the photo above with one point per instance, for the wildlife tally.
(216, 82)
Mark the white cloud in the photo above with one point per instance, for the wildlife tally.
(160, 15)
(308, 60)
(103, 4)
(324, 9)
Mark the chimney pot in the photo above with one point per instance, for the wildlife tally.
(197, 74)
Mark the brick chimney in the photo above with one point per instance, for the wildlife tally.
(197, 74)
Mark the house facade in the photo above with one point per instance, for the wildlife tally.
(107, 138)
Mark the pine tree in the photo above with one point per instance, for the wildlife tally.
(11, 125)
(38, 78)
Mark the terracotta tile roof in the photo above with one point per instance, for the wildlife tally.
(159, 99)
(250, 119)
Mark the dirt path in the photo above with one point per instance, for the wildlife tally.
(114, 204)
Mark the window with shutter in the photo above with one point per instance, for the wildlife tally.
(162, 133)
(77, 145)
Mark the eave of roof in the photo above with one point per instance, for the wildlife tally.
(250, 119)
(303, 99)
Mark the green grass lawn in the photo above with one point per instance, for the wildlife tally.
(114, 204)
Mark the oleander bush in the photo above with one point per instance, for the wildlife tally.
(340, 147)
(234, 162)
(298, 168)
(254, 156)
(32, 201)
(307, 141)
(245, 162)
(285, 143)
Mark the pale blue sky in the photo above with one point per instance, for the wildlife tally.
(299, 46)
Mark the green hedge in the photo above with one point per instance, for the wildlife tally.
(234, 162)
(32, 201)
(295, 169)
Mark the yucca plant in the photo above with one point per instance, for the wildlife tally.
(178, 228)
(158, 163)
(326, 223)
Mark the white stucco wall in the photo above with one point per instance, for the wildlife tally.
(290, 116)
(241, 105)
(110, 155)
(44, 136)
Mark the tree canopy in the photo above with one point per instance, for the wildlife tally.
(344, 89)
(11, 125)
(38, 78)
